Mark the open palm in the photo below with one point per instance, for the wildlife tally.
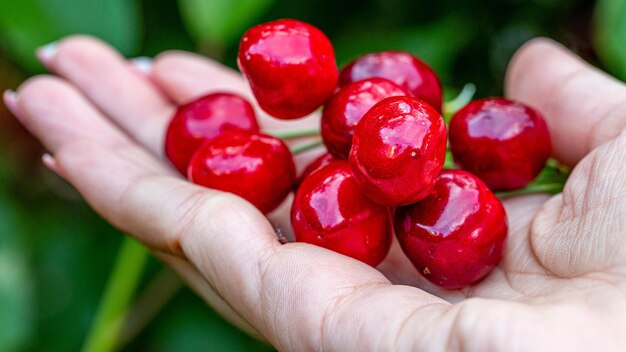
(561, 285)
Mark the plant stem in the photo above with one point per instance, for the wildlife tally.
(295, 134)
(454, 105)
(305, 147)
(121, 286)
(550, 188)
(157, 293)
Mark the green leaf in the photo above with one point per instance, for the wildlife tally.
(16, 291)
(217, 23)
(28, 24)
(610, 35)
(438, 43)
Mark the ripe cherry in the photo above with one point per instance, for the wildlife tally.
(455, 236)
(318, 163)
(202, 119)
(503, 142)
(400, 67)
(290, 66)
(331, 211)
(398, 149)
(254, 166)
(344, 109)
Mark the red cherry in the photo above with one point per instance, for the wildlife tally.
(254, 166)
(400, 67)
(503, 142)
(344, 109)
(455, 236)
(318, 163)
(398, 149)
(290, 66)
(330, 210)
(203, 119)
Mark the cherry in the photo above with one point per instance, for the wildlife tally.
(344, 109)
(331, 211)
(398, 149)
(202, 119)
(290, 66)
(318, 163)
(402, 68)
(455, 236)
(254, 166)
(504, 142)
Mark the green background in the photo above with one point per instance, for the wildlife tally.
(56, 254)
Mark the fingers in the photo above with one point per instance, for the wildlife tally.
(583, 106)
(582, 230)
(114, 87)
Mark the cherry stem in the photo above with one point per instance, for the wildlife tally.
(123, 280)
(305, 147)
(550, 188)
(454, 105)
(295, 134)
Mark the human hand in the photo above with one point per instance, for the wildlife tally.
(561, 285)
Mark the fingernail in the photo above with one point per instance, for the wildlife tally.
(46, 53)
(51, 163)
(143, 64)
(10, 100)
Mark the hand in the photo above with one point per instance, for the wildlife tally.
(561, 286)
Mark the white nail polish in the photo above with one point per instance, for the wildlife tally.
(143, 64)
(46, 53)
(10, 99)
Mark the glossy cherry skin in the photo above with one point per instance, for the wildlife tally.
(202, 119)
(330, 211)
(290, 66)
(344, 109)
(254, 166)
(455, 236)
(398, 149)
(503, 142)
(400, 67)
(318, 163)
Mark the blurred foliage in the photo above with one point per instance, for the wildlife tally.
(611, 35)
(28, 24)
(56, 254)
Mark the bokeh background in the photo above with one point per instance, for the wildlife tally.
(56, 254)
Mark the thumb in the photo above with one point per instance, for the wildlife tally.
(582, 230)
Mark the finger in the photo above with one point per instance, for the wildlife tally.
(114, 87)
(581, 231)
(583, 106)
(185, 76)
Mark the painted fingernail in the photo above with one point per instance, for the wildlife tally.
(10, 100)
(143, 64)
(46, 53)
(51, 163)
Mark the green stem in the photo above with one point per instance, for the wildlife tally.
(121, 286)
(295, 134)
(550, 188)
(454, 105)
(156, 294)
(305, 147)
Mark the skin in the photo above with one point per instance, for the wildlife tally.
(561, 285)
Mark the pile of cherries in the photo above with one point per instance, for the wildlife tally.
(386, 139)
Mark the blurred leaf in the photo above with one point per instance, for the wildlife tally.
(16, 294)
(438, 44)
(188, 324)
(217, 23)
(28, 24)
(610, 35)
